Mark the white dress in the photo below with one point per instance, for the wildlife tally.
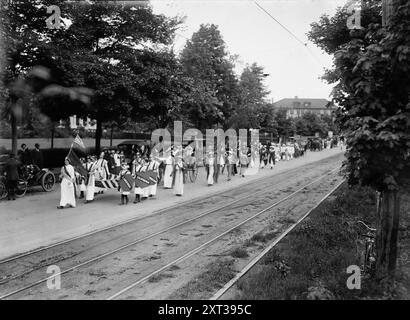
(179, 180)
(136, 168)
(89, 195)
(167, 173)
(145, 191)
(211, 171)
(67, 187)
(153, 166)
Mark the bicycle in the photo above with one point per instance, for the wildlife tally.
(368, 255)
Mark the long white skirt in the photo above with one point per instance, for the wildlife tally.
(145, 192)
(179, 183)
(167, 176)
(67, 193)
(89, 195)
(153, 190)
(211, 175)
(138, 190)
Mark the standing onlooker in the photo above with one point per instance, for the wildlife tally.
(24, 155)
(117, 159)
(37, 156)
(12, 175)
(111, 162)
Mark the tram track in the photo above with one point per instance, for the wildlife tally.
(236, 201)
(238, 191)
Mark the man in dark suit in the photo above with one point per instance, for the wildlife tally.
(12, 175)
(24, 155)
(37, 156)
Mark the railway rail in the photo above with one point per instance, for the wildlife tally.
(239, 198)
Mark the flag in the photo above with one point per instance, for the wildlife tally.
(107, 184)
(79, 142)
(76, 163)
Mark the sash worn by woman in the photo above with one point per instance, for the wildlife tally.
(67, 186)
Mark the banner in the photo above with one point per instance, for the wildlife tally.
(153, 177)
(142, 180)
(126, 183)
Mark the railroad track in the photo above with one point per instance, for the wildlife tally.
(214, 239)
(257, 183)
(179, 259)
(221, 292)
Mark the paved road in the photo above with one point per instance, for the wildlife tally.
(131, 252)
(34, 221)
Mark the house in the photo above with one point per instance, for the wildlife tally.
(79, 122)
(296, 107)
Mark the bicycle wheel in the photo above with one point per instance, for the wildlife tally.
(21, 188)
(3, 191)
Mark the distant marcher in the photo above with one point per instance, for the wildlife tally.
(12, 175)
(90, 188)
(153, 166)
(67, 186)
(178, 176)
(136, 167)
(209, 165)
(126, 190)
(37, 156)
(169, 163)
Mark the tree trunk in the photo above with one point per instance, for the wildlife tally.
(388, 212)
(52, 135)
(111, 134)
(98, 134)
(13, 134)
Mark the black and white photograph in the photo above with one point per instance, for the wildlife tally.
(222, 151)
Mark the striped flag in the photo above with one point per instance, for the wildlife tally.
(79, 142)
(76, 163)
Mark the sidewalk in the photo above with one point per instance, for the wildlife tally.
(34, 221)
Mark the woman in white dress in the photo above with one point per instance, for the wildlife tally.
(169, 164)
(136, 167)
(178, 176)
(67, 186)
(144, 168)
(102, 171)
(90, 190)
(154, 167)
(210, 164)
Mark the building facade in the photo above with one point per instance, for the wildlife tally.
(296, 107)
(78, 122)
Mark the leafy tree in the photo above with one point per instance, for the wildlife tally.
(26, 39)
(213, 82)
(286, 126)
(251, 104)
(372, 86)
(108, 39)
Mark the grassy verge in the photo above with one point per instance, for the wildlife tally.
(311, 262)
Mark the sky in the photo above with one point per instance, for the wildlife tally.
(294, 69)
